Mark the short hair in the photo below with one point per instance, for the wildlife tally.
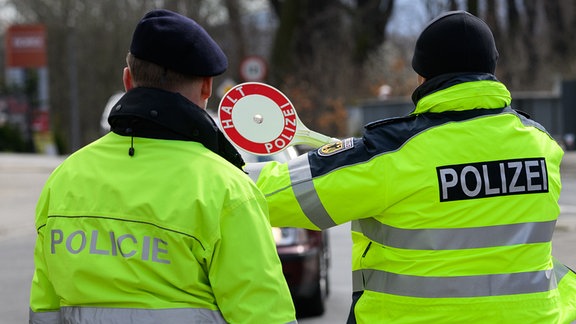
(151, 75)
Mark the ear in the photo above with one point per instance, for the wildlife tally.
(421, 79)
(127, 79)
(206, 90)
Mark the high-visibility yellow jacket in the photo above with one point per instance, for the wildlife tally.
(453, 209)
(173, 234)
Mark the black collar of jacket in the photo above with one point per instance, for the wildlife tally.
(159, 114)
(447, 80)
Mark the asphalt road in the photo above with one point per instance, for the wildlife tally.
(22, 178)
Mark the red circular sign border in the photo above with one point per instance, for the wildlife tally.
(256, 88)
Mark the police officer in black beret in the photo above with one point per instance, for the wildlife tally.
(155, 222)
(168, 52)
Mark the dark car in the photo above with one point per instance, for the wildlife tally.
(305, 260)
(305, 255)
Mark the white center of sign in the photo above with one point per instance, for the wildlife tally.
(258, 118)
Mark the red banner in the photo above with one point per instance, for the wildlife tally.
(26, 46)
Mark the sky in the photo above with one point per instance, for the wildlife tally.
(7, 14)
(408, 18)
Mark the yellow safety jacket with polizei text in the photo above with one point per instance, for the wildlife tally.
(161, 237)
(453, 209)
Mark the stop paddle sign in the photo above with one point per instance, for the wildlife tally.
(261, 120)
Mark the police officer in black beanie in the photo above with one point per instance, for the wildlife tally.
(452, 208)
(156, 222)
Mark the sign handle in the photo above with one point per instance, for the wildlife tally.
(305, 136)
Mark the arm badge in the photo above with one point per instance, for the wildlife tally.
(336, 147)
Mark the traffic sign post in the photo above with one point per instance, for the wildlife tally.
(253, 69)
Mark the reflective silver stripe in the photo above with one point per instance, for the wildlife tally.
(305, 193)
(456, 238)
(355, 226)
(453, 287)
(254, 169)
(91, 315)
(560, 270)
(358, 280)
(44, 317)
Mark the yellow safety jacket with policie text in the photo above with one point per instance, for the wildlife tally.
(172, 234)
(453, 209)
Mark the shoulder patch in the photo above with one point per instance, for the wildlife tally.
(336, 147)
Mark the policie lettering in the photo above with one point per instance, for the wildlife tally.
(126, 245)
(494, 178)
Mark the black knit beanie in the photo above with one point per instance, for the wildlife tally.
(455, 41)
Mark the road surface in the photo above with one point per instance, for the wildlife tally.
(22, 178)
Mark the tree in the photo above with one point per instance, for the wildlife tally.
(324, 54)
(532, 37)
(87, 41)
(319, 55)
(87, 44)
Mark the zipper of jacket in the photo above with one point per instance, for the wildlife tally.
(363, 275)
(366, 250)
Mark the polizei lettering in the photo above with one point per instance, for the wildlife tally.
(287, 133)
(494, 178)
(146, 248)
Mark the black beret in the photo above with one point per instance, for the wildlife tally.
(455, 41)
(178, 43)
